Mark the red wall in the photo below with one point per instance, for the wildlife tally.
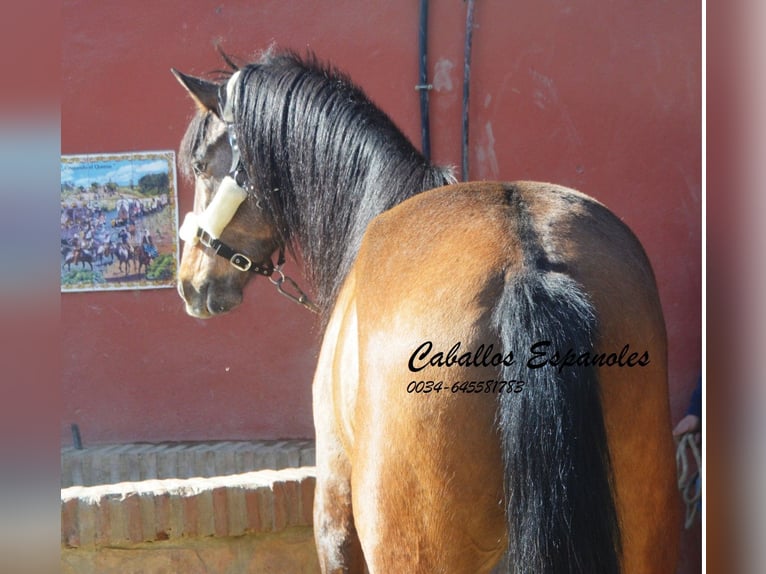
(601, 96)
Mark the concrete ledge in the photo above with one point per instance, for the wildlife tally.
(130, 513)
(109, 464)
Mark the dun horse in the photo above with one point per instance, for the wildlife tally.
(491, 389)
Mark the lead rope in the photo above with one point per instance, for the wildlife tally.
(687, 480)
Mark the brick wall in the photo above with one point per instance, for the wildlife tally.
(258, 521)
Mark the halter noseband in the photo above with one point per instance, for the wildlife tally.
(239, 260)
(208, 226)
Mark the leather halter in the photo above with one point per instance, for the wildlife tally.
(236, 258)
(237, 172)
(234, 188)
(239, 260)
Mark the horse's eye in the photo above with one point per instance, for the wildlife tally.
(199, 167)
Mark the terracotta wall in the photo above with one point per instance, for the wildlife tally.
(601, 96)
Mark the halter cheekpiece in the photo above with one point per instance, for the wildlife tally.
(226, 113)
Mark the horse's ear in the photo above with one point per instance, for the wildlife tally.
(204, 93)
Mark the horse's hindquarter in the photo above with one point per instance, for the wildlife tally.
(609, 262)
(604, 256)
(426, 467)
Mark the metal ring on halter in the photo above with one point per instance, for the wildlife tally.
(281, 279)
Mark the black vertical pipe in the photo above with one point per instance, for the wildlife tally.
(76, 439)
(423, 86)
(466, 83)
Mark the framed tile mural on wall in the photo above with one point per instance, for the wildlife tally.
(119, 221)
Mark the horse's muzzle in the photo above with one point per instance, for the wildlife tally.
(208, 301)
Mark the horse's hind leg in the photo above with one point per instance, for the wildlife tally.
(337, 543)
(335, 533)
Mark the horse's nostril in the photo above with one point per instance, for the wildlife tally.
(187, 291)
(180, 290)
(195, 300)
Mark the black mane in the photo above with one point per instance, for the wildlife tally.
(324, 160)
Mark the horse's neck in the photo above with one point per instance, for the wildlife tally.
(330, 244)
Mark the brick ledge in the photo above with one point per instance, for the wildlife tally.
(129, 513)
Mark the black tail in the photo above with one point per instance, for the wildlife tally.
(560, 509)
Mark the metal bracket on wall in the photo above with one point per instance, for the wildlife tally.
(423, 86)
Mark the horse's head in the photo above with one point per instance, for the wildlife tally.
(228, 236)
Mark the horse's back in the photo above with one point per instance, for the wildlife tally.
(427, 465)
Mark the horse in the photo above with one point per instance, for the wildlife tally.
(83, 256)
(75, 253)
(491, 389)
(67, 252)
(124, 254)
(142, 258)
(106, 249)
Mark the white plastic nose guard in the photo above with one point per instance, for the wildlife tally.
(217, 215)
